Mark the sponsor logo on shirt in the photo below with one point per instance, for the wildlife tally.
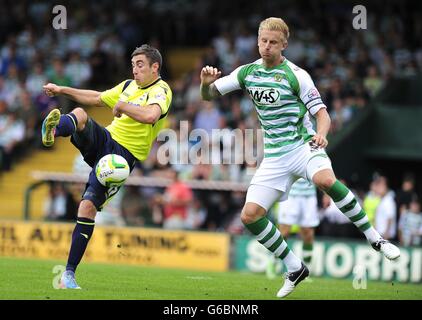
(313, 93)
(134, 104)
(264, 96)
(160, 96)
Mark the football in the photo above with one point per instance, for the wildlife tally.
(112, 170)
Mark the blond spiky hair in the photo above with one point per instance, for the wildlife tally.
(274, 24)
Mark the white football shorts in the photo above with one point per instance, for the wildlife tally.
(275, 176)
(299, 210)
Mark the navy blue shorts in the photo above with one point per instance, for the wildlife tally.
(94, 142)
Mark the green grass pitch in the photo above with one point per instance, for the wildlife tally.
(33, 279)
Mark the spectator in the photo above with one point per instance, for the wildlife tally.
(12, 132)
(372, 81)
(405, 195)
(135, 210)
(57, 75)
(12, 87)
(99, 63)
(176, 202)
(340, 115)
(385, 214)
(410, 225)
(208, 118)
(12, 58)
(35, 80)
(78, 71)
(234, 224)
(371, 202)
(60, 206)
(29, 116)
(197, 215)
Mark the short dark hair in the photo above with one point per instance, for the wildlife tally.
(152, 54)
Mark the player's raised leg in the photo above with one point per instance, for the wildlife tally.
(48, 128)
(57, 125)
(348, 204)
(258, 200)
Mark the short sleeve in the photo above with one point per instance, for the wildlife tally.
(111, 96)
(308, 93)
(228, 83)
(162, 96)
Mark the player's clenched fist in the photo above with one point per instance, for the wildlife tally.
(51, 89)
(209, 75)
(320, 140)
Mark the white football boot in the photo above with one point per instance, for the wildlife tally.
(389, 250)
(292, 279)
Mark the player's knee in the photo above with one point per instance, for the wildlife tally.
(247, 217)
(325, 183)
(81, 116)
(87, 210)
(251, 212)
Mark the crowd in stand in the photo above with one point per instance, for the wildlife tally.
(396, 214)
(348, 66)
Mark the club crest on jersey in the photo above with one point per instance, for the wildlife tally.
(264, 96)
(278, 77)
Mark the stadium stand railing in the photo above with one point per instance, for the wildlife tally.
(42, 177)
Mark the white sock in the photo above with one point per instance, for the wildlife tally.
(292, 262)
(372, 235)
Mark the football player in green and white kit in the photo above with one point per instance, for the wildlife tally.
(285, 98)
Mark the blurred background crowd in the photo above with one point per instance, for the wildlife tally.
(349, 72)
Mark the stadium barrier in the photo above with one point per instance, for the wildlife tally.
(120, 245)
(336, 259)
(43, 177)
(197, 250)
(205, 251)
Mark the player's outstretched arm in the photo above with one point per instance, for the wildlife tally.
(208, 89)
(323, 123)
(148, 114)
(81, 96)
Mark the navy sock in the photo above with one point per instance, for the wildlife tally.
(67, 125)
(80, 237)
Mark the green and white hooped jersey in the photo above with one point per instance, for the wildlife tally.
(282, 96)
(302, 188)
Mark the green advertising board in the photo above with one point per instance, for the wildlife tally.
(336, 259)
